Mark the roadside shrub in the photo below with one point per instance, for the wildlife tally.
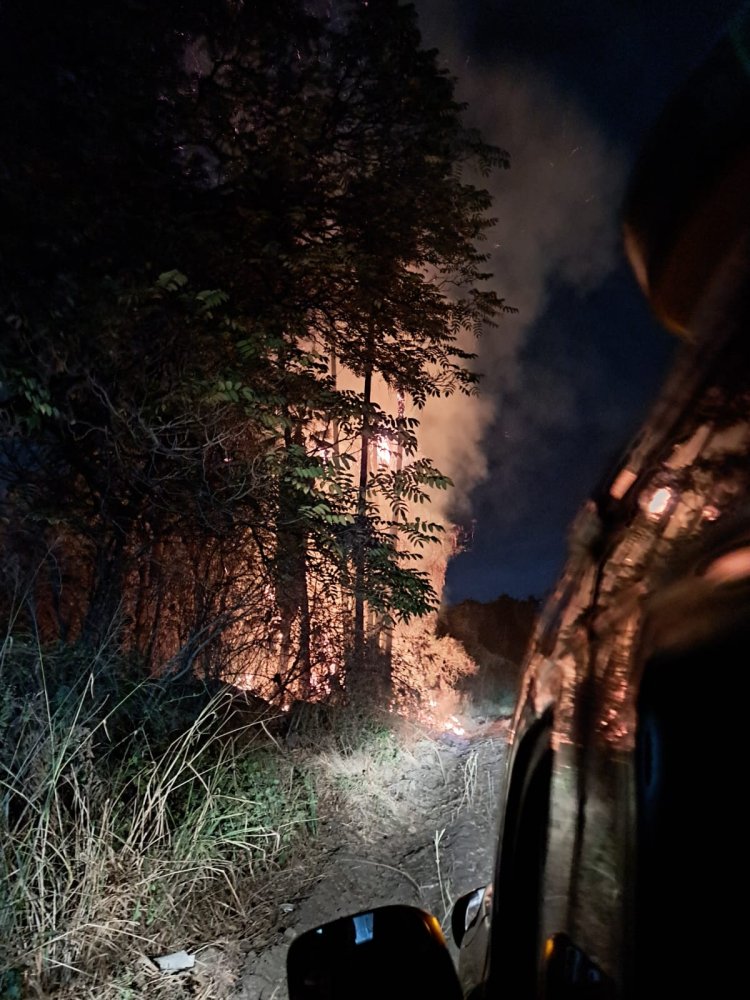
(124, 810)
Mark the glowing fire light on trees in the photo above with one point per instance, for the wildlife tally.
(384, 447)
(425, 670)
(384, 450)
(322, 676)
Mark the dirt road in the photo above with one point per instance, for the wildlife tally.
(427, 837)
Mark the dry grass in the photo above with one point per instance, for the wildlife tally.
(130, 829)
(470, 776)
(445, 886)
(108, 857)
(360, 769)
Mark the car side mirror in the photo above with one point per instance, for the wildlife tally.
(470, 927)
(397, 952)
(466, 910)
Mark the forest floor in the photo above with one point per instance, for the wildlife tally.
(418, 826)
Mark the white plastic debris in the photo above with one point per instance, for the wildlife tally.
(176, 962)
(287, 907)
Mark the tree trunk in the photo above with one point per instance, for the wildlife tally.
(358, 651)
(334, 377)
(388, 643)
(291, 588)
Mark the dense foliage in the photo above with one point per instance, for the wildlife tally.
(211, 211)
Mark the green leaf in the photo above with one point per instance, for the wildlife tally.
(212, 298)
(171, 281)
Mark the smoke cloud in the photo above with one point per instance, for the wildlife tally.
(557, 225)
(569, 91)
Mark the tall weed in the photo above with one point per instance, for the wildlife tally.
(124, 812)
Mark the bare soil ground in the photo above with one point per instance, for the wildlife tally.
(419, 828)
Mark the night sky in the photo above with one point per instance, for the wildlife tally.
(570, 90)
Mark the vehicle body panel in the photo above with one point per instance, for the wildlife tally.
(643, 648)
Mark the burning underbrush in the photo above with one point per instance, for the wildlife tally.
(140, 814)
(428, 676)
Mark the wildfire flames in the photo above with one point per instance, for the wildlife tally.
(433, 717)
(452, 725)
(384, 451)
(659, 502)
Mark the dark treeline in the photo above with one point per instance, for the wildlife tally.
(210, 212)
